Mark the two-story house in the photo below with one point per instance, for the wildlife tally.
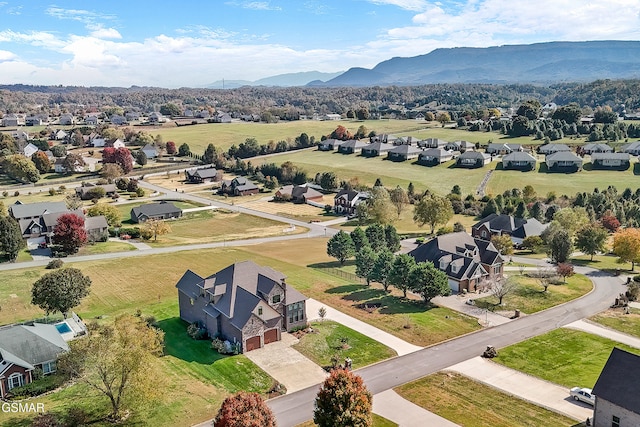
(243, 303)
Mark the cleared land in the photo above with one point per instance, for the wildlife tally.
(472, 404)
(529, 297)
(563, 356)
(615, 318)
(330, 339)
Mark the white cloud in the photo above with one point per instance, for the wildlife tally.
(105, 33)
(5, 55)
(86, 16)
(413, 5)
(254, 5)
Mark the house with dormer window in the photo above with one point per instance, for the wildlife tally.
(464, 259)
(244, 303)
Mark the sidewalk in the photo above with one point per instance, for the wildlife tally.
(526, 387)
(595, 329)
(400, 346)
(394, 407)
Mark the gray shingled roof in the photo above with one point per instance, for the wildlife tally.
(204, 173)
(553, 148)
(619, 381)
(519, 156)
(27, 210)
(153, 209)
(532, 227)
(95, 222)
(380, 147)
(477, 155)
(35, 344)
(500, 222)
(406, 150)
(563, 156)
(625, 157)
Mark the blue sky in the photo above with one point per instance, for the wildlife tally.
(194, 43)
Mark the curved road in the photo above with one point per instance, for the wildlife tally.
(296, 408)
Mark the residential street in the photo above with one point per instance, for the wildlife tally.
(297, 407)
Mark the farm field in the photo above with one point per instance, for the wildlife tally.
(224, 135)
(555, 355)
(473, 404)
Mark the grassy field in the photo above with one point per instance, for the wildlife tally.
(347, 166)
(472, 404)
(529, 296)
(561, 183)
(405, 224)
(224, 135)
(556, 356)
(327, 339)
(378, 421)
(603, 262)
(616, 319)
(216, 226)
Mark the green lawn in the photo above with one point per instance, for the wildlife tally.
(563, 356)
(616, 319)
(196, 380)
(326, 341)
(603, 262)
(529, 296)
(105, 247)
(378, 421)
(472, 404)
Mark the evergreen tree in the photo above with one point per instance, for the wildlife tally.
(11, 241)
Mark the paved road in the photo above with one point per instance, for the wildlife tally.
(315, 229)
(298, 407)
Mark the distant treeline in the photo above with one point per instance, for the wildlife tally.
(291, 102)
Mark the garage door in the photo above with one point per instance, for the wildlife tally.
(270, 336)
(252, 343)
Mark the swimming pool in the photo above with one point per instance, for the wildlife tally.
(63, 328)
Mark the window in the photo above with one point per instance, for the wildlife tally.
(16, 380)
(259, 311)
(615, 421)
(296, 312)
(49, 367)
(191, 301)
(484, 233)
(275, 299)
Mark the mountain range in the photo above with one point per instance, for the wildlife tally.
(284, 80)
(542, 63)
(534, 63)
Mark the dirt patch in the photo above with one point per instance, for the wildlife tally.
(369, 307)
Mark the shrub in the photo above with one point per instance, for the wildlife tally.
(52, 191)
(38, 387)
(197, 331)
(633, 291)
(140, 192)
(46, 420)
(76, 417)
(134, 232)
(5, 193)
(444, 230)
(16, 194)
(636, 278)
(53, 264)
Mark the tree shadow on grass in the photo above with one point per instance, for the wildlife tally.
(364, 294)
(332, 264)
(180, 345)
(345, 289)
(396, 305)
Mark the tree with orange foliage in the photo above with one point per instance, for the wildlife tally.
(626, 245)
(341, 133)
(244, 410)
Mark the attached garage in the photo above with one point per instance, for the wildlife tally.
(252, 343)
(270, 336)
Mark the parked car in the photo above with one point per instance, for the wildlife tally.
(583, 394)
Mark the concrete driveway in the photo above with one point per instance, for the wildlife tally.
(394, 407)
(286, 365)
(526, 387)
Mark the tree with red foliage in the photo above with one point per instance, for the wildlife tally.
(564, 269)
(109, 155)
(341, 133)
(343, 401)
(244, 410)
(171, 147)
(120, 156)
(69, 232)
(610, 222)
